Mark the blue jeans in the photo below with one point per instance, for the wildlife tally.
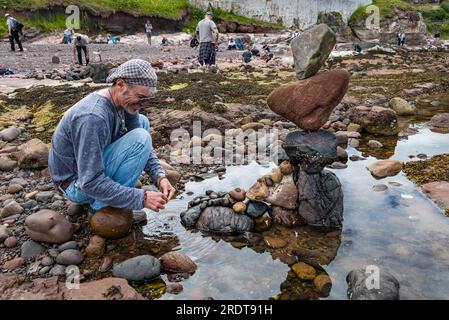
(123, 161)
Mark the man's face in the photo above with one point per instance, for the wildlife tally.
(133, 97)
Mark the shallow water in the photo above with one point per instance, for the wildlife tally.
(399, 230)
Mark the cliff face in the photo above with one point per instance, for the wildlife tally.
(291, 13)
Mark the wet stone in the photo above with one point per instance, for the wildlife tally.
(138, 268)
(190, 217)
(380, 187)
(223, 220)
(68, 245)
(255, 209)
(357, 289)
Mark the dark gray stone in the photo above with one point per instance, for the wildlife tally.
(311, 150)
(31, 250)
(57, 270)
(224, 221)
(138, 268)
(320, 199)
(256, 209)
(68, 245)
(44, 196)
(30, 204)
(358, 290)
(190, 217)
(311, 50)
(9, 134)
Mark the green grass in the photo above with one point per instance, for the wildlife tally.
(222, 15)
(386, 8)
(436, 18)
(162, 8)
(172, 9)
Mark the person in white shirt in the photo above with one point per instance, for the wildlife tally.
(13, 31)
(81, 42)
(148, 31)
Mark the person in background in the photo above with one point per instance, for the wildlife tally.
(164, 41)
(208, 36)
(267, 55)
(255, 51)
(194, 42)
(358, 48)
(239, 44)
(81, 43)
(247, 55)
(399, 39)
(231, 44)
(14, 31)
(403, 37)
(148, 31)
(68, 36)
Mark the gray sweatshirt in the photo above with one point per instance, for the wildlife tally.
(77, 146)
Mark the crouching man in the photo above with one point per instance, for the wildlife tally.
(102, 145)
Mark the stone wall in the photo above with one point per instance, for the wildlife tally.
(298, 13)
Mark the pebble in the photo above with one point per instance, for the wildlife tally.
(44, 270)
(375, 144)
(14, 188)
(20, 181)
(304, 271)
(380, 187)
(13, 263)
(74, 209)
(68, 245)
(106, 264)
(53, 253)
(58, 270)
(31, 249)
(174, 288)
(47, 261)
(139, 268)
(70, 257)
(30, 204)
(10, 242)
(44, 196)
(338, 165)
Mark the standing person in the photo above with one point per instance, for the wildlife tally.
(403, 37)
(81, 43)
(14, 29)
(208, 36)
(68, 36)
(148, 31)
(399, 39)
(102, 144)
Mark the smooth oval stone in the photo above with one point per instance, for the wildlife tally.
(70, 257)
(138, 268)
(112, 223)
(190, 217)
(178, 262)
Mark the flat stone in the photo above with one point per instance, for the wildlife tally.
(385, 168)
(101, 290)
(45, 196)
(380, 187)
(13, 264)
(275, 243)
(311, 150)
(68, 245)
(439, 192)
(304, 271)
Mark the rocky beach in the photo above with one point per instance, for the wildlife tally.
(360, 176)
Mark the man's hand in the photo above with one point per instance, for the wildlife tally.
(166, 188)
(155, 200)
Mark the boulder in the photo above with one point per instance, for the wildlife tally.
(48, 226)
(139, 268)
(385, 168)
(320, 199)
(402, 107)
(112, 223)
(33, 155)
(376, 120)
(311, 150)
(309, 103)
(223, 220)
(311, 50)
(358, 289)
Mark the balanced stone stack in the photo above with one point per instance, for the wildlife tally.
(308, 103)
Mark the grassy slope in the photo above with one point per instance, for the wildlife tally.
(436, 18)
(174, 9)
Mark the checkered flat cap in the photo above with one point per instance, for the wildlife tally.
(135, 71)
